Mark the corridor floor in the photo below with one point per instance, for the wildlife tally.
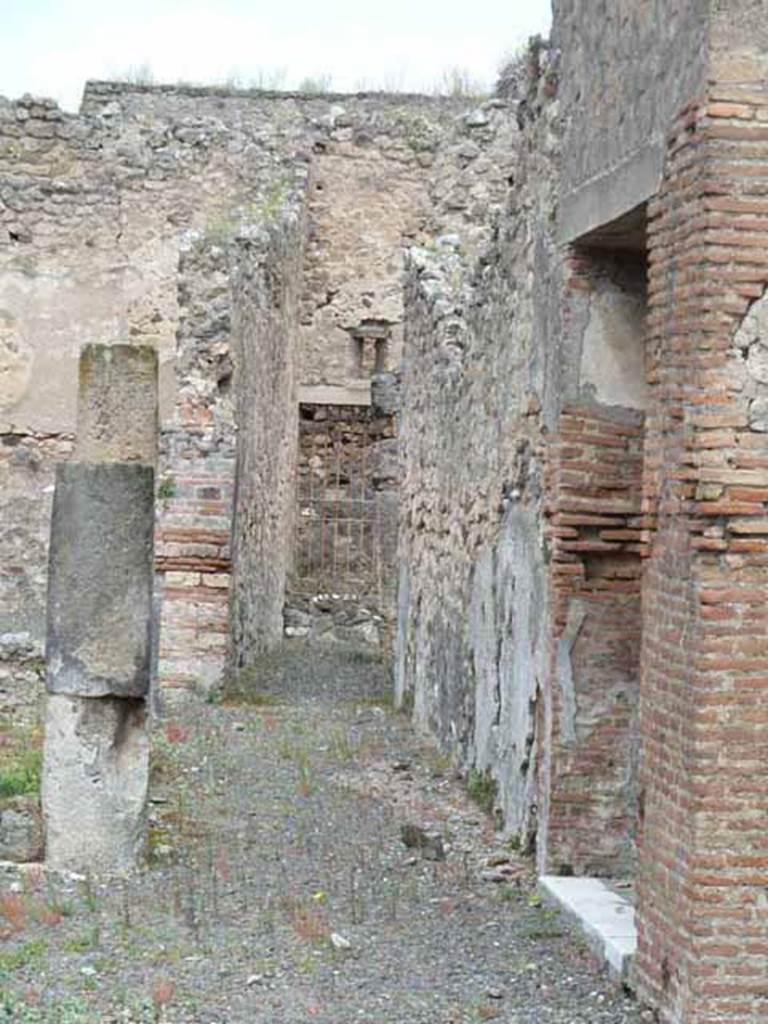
(280, 888)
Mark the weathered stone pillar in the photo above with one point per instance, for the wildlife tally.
(96, 761)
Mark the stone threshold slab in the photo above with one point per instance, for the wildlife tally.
(606, 918)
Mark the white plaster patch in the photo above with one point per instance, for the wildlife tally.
(15, 363)
(613, 352)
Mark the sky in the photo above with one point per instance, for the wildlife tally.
(50, 47)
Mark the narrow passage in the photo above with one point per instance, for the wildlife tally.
(281, 889)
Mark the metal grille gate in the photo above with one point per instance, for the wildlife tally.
(342, 521)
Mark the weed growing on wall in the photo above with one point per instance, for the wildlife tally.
(317, 85)
(21, 760)
(482, 788)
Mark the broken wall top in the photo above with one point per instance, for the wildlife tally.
(95, 207)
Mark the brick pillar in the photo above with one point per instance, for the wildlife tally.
(703, 910)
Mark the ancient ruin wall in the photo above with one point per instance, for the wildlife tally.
(99, 217)
(472, 592)
(702, 928)
(626, 67)
(195, 492)
(266, 284)
(519, 608)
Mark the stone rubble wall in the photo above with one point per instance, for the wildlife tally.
(266, 284)
(518, 609)
(626, 68)
(102, 215)
(472, 597)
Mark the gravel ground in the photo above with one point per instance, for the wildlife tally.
(280, 889)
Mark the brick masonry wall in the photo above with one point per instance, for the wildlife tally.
(703, 926)
(593, 487)
(196, 477)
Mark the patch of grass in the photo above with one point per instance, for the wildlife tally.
(22, 776)
(305, 772)
(307, 920)
(21, 760)
(84, 943)
(25, 955)
(510, 894)
(482, 788)
(136, 74)
(458, 82)
(14, 910)
(340, 747)
(384, 700)
(252, 698)
(268, 79)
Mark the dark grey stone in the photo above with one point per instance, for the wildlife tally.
(100, 580)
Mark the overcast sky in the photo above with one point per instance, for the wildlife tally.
(50, 47)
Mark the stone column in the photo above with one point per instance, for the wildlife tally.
(96, 760)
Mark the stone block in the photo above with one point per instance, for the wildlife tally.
(117, 404)
(95, 780)
(21, 829)
(100, 580)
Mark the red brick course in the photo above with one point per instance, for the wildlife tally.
(192, 559)
(594, 469)
(703, 913)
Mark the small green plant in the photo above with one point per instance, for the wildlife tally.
(305, 772)
(21, 775)
(84, 943)
(167, 488)
(316, 85)
(458, 82)
(25, 955)
(340, 747)
(482, 788)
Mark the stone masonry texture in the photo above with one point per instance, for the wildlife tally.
(117, 224)
(99, 630)
(561, 293)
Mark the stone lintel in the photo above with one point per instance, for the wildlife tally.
(100, 580)
(335, 394)
(612, 194)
